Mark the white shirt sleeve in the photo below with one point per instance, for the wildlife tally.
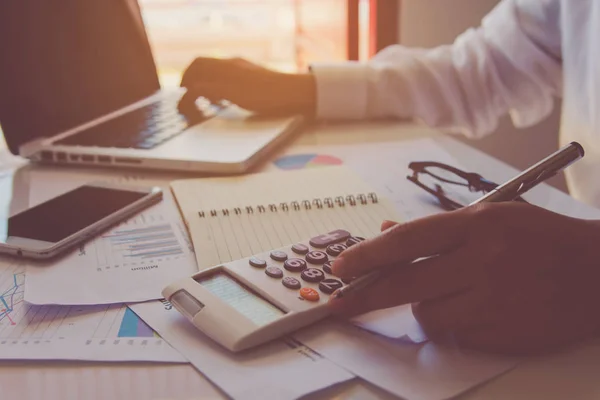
(511, 64)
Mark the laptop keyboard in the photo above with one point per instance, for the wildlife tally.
(143, 128)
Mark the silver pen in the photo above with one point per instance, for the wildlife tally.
(508, 191)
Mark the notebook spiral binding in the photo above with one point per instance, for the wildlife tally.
(328, 202)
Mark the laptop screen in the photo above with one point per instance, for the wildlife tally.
(67, 62)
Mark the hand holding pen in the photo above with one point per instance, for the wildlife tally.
(507, 277)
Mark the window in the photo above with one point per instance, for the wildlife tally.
(286, 35)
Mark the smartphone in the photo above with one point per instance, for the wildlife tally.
(50, 228)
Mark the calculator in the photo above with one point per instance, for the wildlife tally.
(248, 302)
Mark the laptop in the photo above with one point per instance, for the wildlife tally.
(79, 86)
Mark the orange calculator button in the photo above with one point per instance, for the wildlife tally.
(309, 294)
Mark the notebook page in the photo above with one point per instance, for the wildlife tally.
(223, 238)
(194, 195)
(244, 216)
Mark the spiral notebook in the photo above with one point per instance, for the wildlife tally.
(236, 217)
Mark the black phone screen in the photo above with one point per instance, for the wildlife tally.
(67, 214)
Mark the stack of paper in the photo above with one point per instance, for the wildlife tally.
(102, 333)
(447, 373)
(74, 309)
(85, 330)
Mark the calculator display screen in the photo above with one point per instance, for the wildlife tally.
(244, 300)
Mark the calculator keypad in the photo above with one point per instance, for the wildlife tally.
(257, 262)
(317, 257)
(279, 255)
(327, 267)
(307, 267)
(329, 285)
(295, 265)
(300, 249)
(324, 240)
(354, 240)
(274, 272)
(309, 294)
(312, 275)
(291, 283)
(336, 249)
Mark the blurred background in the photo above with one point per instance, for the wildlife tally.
(288, 35)
(282, 34)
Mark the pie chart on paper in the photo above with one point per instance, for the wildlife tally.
(302, 161)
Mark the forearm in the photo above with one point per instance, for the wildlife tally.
(465, 87)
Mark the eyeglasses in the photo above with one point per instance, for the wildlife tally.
(447, 183)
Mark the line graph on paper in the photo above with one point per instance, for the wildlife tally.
(33, 332)
(11, 294)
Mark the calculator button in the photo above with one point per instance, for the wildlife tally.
(354, 240)
(327, 267)
(317, 257)
(291, 283)
(335, 249)
(322, 241)
(312, 275)
(295, 265)
(274, 272)
(329, 286)
(309, 294)
(257, 262)
(278, 255)
(301, 249)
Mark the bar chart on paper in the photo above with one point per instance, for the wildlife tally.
(105, 332)
(132, 262)
(139, 241)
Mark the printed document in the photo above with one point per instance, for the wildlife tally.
(130, 263)
(408, 370)
(284, 369)
(384, 165)
(95, 333)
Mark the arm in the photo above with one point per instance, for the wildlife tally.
(512, 63)
(504, 277)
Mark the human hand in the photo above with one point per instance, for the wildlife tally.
(505, 277)
(249, 86)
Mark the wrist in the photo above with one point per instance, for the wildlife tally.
(301, 93)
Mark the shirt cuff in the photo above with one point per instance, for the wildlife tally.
(341, 90)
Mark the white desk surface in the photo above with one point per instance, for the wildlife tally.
(569, 375)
